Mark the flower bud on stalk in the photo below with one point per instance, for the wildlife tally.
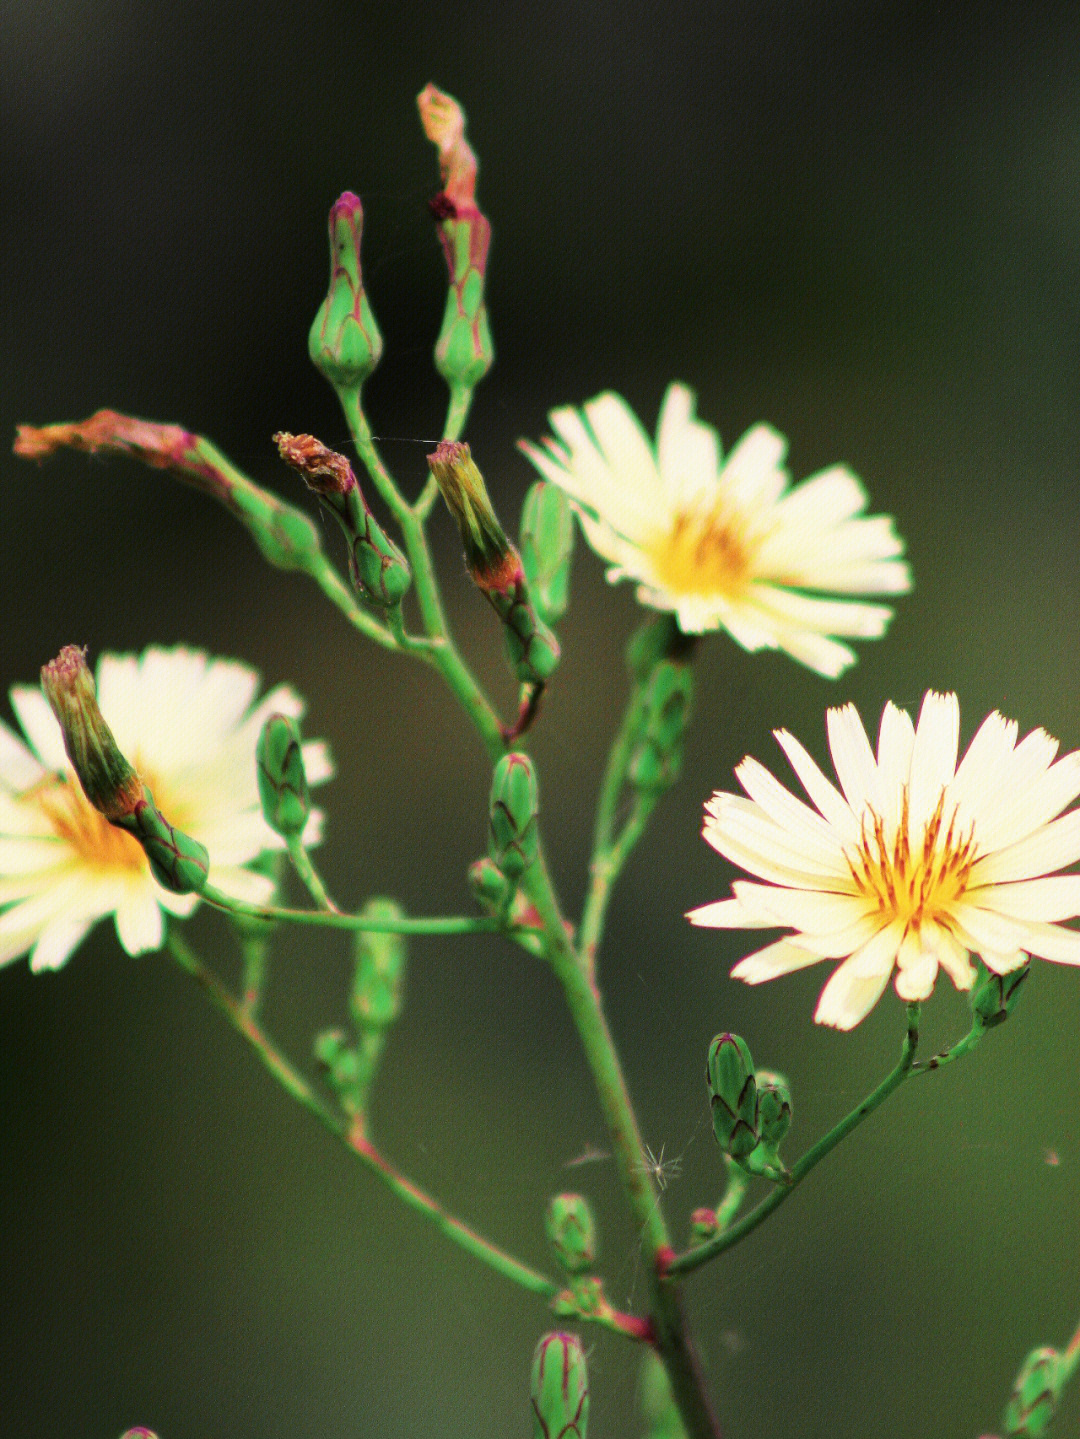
(733, 1095)
(494, 563)
(774, 1107)
(657, 757)
(704, 1224)
(379, 976)
(344, 342)
(560, 1388)
(571, 1231)
(463, 352)
(178, 862)
(286, 537)
(993, 997)
(348, 1070)
(279, 770)
(1034, 1399)
(490, 887)
(378, 568)
(547, 542)
(514, 807)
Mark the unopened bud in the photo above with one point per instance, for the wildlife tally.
(344, 342)
(733, 1095)
(1034, 1399)
(571, 1231)
(463, 352)
(657, 638)
(377, 567)
(514, 807)
(703, 1225)
(379, 976)
(657, 756)
(560, 1388)
(774, 1107)
(178, 862)
(993, 997)
(347, 1071)
(547, 543)
(279, 769)
(494, 563)
(489, 885)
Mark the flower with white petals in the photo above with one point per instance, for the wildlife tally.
(914, 863)
(189, 725)
(726, 544)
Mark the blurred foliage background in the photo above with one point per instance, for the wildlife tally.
(857, 221)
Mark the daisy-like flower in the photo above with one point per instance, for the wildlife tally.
(914, 863)
(725, 544)
(189, 725)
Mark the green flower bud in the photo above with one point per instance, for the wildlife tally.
(704, 1223)
(571, 1231)
(379, 976)
(489, 885)
(279, 769)
(733, 1095)
(494, 563)
(657, 756)
(774, 1107)
(109, 782)
(178, 862)
(377, 567)
(560, 1388)
(547, 542)
(348, 1070)
(657, 1402)
(344, 342)
(463, 352)
(515, 804)
(1034, 1399)
(658, 638)
(993, 997)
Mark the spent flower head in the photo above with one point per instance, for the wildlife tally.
(188, 726)
(725, 544)
(912, 865)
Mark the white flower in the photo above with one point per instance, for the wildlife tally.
(725, 545)
(188, 724)
(918, 861)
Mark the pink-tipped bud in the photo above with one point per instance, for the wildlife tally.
(344, 343)
(110, 783)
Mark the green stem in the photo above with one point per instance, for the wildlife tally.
(605, 868)
(338, 592)
(449, 924)
(296, 1085)
(1070, 1357)
(946, 1056)
(255, 952)
(738, 1181)
(306, 870)
(615, 771)
(701, 1254)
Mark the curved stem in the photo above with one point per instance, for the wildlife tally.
(339, 594)
(605, 868)
(956, 1051)
(306, 870)
(335, 919)
(702, 1253)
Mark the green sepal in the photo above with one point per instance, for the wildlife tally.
(993, 997)
(1034, 1399)
(533, 649)
(377, 566)
(344, 342)
(571, 1231)
(379, 975)
(286, 537)
(658, 1410)
(775, 1107)
(704, 1224)
(279, 769)
(657, 756)
(547, 543)
(560, 1388)
(513, 839)
(490, 887)
(178, 862)
(733, 1095)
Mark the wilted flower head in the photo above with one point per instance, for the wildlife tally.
(914, 863)
(725, 544)
(188, 725)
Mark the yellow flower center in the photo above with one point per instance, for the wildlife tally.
(73, 818)
(912, 884)
(705, 552)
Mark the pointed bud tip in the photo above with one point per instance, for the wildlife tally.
(322, 469)
(108, 781)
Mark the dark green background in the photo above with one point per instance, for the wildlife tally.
(857, 221)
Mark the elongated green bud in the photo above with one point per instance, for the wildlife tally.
(379, 976)
(344, 342)
(348, 1070)
(285, 535)
(733, 1095)
(1034, 1399)
(571, 1231)
(993, 997)
(547, 543)
(490, 887)
(494, 563)
(655, 639)
(514, 807)
(279, 769)
(178, 862)
(703, 1225)
(377, 567)
(774, 1107)
(560, 1388)
(463, 352)
(657, 1402)
(657, 756)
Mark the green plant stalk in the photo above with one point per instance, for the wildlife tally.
(956, 1051)
(255, 954)
(456, 416)
(618, 762)
(701, 1253)
(301, 861)
(604, 869)
(335, 919)
(1070, 1357)
(340, 595)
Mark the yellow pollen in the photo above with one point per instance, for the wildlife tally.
(74, 819)
(705, 552)
(909, 884)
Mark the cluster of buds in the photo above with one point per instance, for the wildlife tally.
(1035, 1394)
(286, 537)
(344, 342)
(751, 1111)
(379, 571)
(350, 1063)
(463, 352)
(571, 1232)
(178, 862)
(494, 563)
(560, 1388)
(513, 811)
(547, 544)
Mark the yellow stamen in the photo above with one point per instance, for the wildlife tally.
(74, 819)
(912, 885)
(703, 553)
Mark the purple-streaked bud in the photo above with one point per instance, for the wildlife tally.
(344, 342)
(560, 1388)
(108, 780)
